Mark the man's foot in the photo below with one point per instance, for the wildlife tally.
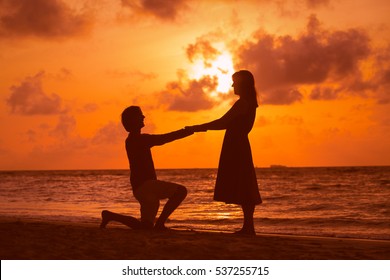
(105, 218)
(145, 225)
(160, 227)
(245, 231)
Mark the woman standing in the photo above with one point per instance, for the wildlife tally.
(236, 179)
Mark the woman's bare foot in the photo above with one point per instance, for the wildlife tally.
(105, 218)
(245, 231)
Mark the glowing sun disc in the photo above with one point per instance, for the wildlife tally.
(221, 67)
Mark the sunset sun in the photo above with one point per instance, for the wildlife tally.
(221, 67)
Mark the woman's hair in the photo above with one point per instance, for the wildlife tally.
(128, 117)
(246, 84)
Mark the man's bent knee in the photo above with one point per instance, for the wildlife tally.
(181, 191)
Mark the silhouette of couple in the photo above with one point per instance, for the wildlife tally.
(236, 181)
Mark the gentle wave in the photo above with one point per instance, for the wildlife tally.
(330, 201)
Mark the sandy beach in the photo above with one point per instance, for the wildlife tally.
(39, 240)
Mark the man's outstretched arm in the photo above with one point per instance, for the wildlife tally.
(161, 139)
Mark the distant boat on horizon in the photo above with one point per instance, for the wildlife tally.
(277, 166)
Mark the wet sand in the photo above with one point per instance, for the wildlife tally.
(40, 240)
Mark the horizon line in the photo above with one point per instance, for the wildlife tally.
(272, 166)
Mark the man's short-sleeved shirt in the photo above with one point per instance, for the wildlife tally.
(140, 157)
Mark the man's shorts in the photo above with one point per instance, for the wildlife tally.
(149, 195)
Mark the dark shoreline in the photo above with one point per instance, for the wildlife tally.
(30, 240)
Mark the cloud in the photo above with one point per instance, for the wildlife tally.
(381, 76)
(289, 120)
(31, 135)
(283, 63)
(202, 49)
(199, 90)
(324, 93)
(65, 132)
(166, 10)
(281, 96)
(134, 74)
(28, 98)
(75, 150)
(64, 74)
(66, 125)
(189, 95)
(318, 64)
(41, 18)
(112, 132)
(285, 120)
(261, 121)
(296, 8)
(89, 108)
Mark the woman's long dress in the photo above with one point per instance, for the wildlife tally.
(236, 179)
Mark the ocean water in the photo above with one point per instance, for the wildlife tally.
(351, 202)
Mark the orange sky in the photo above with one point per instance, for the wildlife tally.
(69, 68)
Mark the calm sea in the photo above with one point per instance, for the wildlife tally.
(330, 201)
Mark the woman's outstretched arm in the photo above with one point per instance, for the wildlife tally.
(238, 108)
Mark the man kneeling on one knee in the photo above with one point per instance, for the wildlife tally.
(147, 189)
